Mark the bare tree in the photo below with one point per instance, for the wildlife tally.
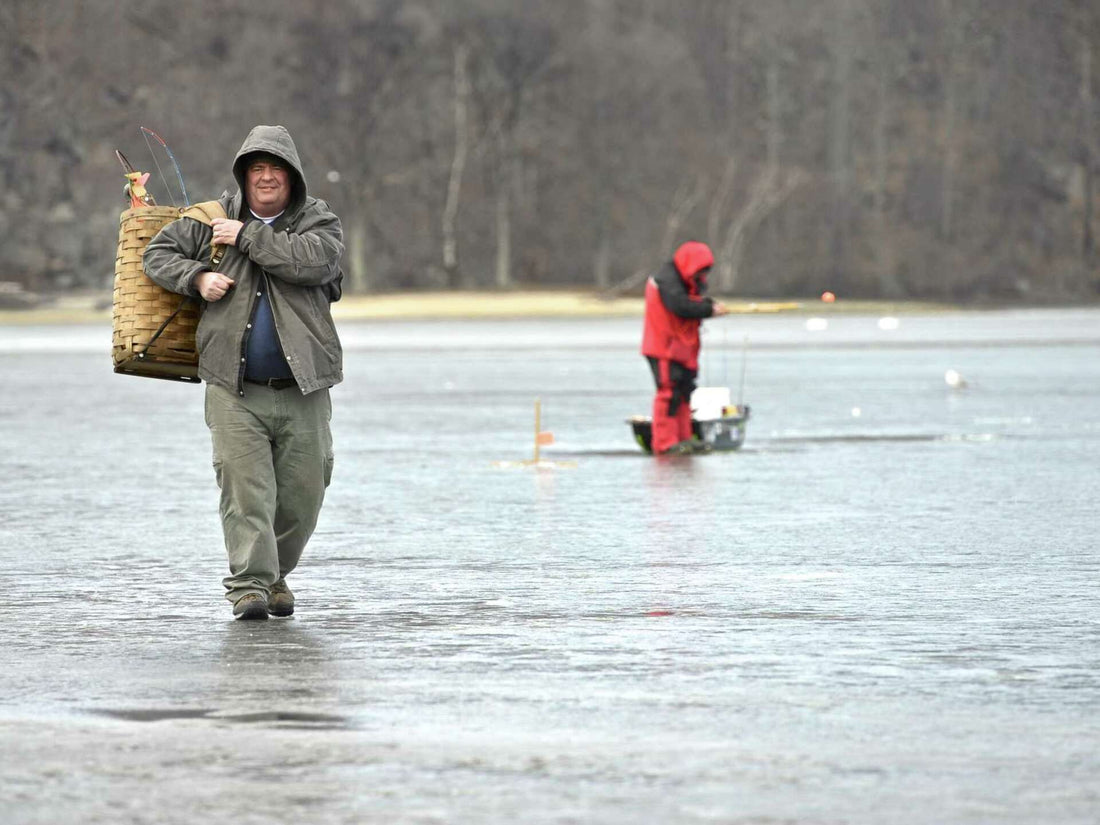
(515, 52)
(842, 48)
(458, 164)
(687, 197)
(771, 187)
(885, 55)
(581, 118)
(953, 22)
(1088, 144)
(720, 199)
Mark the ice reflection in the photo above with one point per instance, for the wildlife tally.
(890, 614)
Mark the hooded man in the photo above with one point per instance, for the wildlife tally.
(675, 304)
(269, 353)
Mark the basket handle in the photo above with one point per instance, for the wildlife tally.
(164, 326)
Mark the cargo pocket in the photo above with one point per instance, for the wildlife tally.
(213, 448)
(214, 459)
(329, 457)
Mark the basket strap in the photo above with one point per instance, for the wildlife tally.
(205, 212)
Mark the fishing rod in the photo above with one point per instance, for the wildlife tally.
(744, 364)
(147, 133)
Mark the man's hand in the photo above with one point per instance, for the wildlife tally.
(226, 231)
(212, 286)
(719, 309)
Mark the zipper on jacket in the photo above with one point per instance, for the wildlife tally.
(284, 226)
(248, 333)
(275, 324)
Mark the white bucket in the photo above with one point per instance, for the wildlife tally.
(708, 403)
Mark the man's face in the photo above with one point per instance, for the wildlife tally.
(267, 186)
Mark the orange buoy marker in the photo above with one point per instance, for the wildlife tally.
(828, 297)
(542, 439)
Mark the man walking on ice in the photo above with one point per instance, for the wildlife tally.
(268, 352)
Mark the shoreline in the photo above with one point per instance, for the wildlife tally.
(405, 306)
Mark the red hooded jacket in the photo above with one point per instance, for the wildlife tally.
(675, 306)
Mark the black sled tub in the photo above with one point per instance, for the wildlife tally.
(721, 434)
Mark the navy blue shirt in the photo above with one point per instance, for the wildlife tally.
(264, 357)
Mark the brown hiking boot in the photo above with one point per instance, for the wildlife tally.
(281, 602)
(250, 606)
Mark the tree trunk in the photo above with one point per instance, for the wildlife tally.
(773, 239)
(947, 187)
(602, 264)
(1088, 149)
(887, 278)
(458, 166)
(839, 149)
(774, 134)
(358, 249)
(719, 202)
(683, 203)
(767, 194)
(504, 232)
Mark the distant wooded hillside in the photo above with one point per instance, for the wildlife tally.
(944, 149)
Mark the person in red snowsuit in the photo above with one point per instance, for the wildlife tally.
(675, 305)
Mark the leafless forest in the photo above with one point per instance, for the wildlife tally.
(938, 149)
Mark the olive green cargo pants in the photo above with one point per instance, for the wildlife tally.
(273, 461)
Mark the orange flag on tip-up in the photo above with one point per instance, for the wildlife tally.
(544, 438)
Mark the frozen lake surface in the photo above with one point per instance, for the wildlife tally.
(883, 609)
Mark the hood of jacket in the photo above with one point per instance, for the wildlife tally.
(272, 140)
(692, 260)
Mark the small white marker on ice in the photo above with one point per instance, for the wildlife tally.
(954, 380)
(888, 322)
(816, 324)
(856, 412)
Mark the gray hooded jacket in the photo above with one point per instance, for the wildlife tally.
(297, 257)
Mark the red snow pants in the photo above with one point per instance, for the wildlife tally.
(672, 404)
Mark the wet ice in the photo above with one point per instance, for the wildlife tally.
(859, 619)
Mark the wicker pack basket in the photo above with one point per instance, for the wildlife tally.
(154, 329)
